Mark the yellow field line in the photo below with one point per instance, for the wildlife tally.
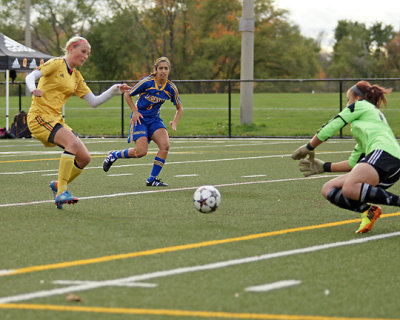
(179, 313)
(179, 248)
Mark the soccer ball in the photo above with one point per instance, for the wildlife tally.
(206, 199)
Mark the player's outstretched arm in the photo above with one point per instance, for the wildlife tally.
(115, 89)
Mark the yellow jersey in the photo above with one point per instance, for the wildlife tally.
(58, 82)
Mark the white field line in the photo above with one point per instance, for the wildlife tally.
(134, 193)
(249, 143)
(5, 272)
(186, 175)
(149, 164)
(126, 284)
(218, 143)
(273, 286)
(255, 176)
(167, 163)
(178, 271)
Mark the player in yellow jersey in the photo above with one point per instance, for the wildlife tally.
(58, 80)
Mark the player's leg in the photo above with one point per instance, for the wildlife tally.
(161, 138)
(71, 144)
(42, 128)
(82, 159)
(140, 150)
(332, 191)
(138, 134)
(354, 190)
(362, 173)
(367, 182)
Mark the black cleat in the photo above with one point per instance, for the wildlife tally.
(108, 162)
(156, 183)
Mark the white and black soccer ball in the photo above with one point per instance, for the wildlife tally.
(206, 199)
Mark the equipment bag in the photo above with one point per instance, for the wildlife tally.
(19, 126)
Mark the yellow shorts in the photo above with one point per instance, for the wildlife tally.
(41, 127)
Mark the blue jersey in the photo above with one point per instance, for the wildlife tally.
(151, 97)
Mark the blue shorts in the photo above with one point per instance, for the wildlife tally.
(146, 129)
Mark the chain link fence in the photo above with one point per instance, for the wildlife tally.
(281, 108)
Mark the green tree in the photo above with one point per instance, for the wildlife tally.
(282, 52)
(217, 45)
(201, 37)
(12, 19)
(390, 59)
(116, 54)
(358, 50)
(351, 56)
(53, 22)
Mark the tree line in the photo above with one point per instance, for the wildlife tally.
(201, 38)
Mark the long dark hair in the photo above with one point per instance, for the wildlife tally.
(372, 93)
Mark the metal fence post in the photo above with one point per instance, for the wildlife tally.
(122, 116)
(20, 98)
(340, 103)
(229, 108)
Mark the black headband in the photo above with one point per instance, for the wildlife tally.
(357, 90)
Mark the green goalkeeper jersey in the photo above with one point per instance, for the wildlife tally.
(369, 128)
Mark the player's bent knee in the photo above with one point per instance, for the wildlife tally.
(165, 148)
(326, 188)
(140, 153)
(83, 160)
(350, 192)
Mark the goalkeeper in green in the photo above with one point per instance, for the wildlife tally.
(374, 164)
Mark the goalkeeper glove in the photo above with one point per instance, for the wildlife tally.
(303, 151)
(311, 166)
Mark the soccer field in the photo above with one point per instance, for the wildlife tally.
(274, 249)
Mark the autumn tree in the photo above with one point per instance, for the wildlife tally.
(358, 49)
(280, 49)
(390, 60)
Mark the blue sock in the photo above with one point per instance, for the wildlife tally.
(120, 154)
(157, 166)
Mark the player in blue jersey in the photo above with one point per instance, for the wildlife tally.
(374, 164)
(146, 124)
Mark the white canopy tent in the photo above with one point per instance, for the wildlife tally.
(15, 56)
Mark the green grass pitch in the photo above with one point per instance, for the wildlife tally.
(274, 249)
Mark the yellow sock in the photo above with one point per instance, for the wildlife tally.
(74, 173)
(64, 171)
